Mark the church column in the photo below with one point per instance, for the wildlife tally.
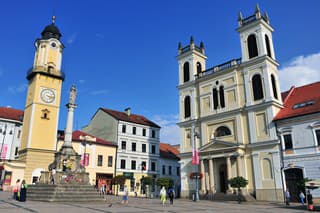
(203, 185)
(240, 166)
(229, 171)
(211, 177)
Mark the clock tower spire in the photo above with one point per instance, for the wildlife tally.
(41, 114)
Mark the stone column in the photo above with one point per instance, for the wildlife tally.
(211, 177)
(203, 184)
(229, 171)
(239, 166)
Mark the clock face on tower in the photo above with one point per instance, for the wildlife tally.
(47, 95)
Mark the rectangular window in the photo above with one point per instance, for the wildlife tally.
(287, 142)
(144, 148)
(123, 145)
(123, 164)
(178, 171)
(153, 134)
(318, 136)
(170, 170)
(133, 147)
(143, 132)
(143, 166)
(16, 151)
(163, 169)
(133, 165)
(100, 160)
(134, 130)
(19, 133)
(153, 149)
(153, 166)
(110, 159)
(124, 127)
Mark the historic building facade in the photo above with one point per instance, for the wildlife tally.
(298, 125)
(138, 144)
(226, 115)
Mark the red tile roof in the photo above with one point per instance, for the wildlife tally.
(11, 114)
(300, 95)
(168, 151)
(77, 136)
(138, 119)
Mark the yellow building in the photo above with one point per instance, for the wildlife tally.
(98, 156)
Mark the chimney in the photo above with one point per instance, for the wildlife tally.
(128, 111)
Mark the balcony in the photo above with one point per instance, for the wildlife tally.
(45, 71)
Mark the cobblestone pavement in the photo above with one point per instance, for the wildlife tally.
(143, 205)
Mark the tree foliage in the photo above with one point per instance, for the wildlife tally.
(147, 180)
(164, 181)
(238, 182)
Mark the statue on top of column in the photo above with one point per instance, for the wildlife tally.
(73, 94)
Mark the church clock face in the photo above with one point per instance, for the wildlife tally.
(47, 95)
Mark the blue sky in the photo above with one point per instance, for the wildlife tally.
(122, 53)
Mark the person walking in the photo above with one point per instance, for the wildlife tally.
(302, 197)
(23, 191)
(171, 195)
(287, 195)
(125, 195)
(163, 195)
(53, 176)
(16, 189)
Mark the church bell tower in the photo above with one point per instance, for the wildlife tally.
(41, 114)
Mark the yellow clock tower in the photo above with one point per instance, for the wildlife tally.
(41, 113)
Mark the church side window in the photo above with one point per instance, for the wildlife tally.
(186, 72)
(187, 107)
(268, 45)
(199, 68)
(287, 139)
(257, 87)
(215, 98)
(252, 46)
(221, 94)
(274, 87)
(222, 131)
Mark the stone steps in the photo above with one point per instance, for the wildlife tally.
(63, 193)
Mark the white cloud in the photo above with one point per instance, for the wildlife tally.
(300, 71)
(99, 92)
(169, 132)
(71, 38)
(17, 89)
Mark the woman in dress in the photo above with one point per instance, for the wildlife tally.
(23, 191)
(163, 195)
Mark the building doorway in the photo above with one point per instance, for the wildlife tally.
(223, 178)
(293, 176)
(106, 180)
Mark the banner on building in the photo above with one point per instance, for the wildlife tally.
(84, 161)
(195, 157)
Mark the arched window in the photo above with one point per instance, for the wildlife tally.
(186, 72)
(222, 131)
(268, 45)
(221, 94)
(274, 87)
(199, 68)
(215, 98)
(257, 87)
(252, 46)
(187, 107)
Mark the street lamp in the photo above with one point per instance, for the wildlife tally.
(195, 161)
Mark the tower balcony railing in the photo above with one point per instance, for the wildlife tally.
(220, 67)
(45, 71)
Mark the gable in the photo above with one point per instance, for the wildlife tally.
(216, 145)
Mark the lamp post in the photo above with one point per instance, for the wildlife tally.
(196, 161)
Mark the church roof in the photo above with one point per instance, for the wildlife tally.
(168, 151)
(133, 118)
(78, 135)
(51, 31)
(11, 114)
(299, 101)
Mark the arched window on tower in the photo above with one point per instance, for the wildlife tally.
(252, 46)
(186, 72)
(257, 87)
(215, 98)
(222, 131)
(199, 68)
(268, 45)
(221, 94)
(187, 107)
(274, 87)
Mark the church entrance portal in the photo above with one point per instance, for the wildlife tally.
(293, 176)
(223, 178)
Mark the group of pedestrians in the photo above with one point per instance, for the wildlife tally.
(302, 198)
(163, 195)
(20, 191)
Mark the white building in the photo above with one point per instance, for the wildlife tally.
(298, 125)
(138, 141)
(226, 113)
